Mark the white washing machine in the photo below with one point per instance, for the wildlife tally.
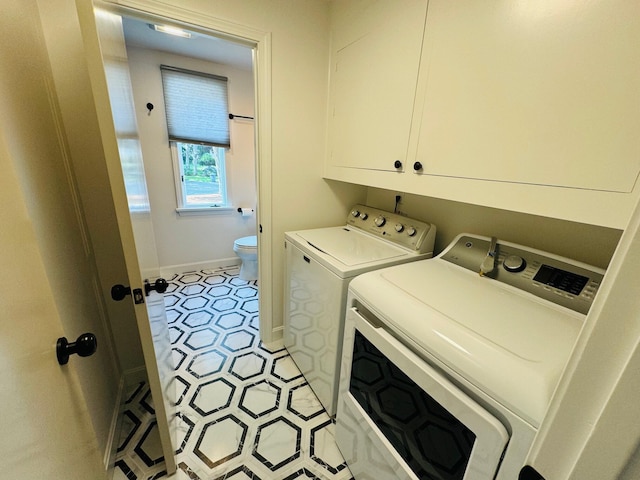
(320, 263)
(449, 364)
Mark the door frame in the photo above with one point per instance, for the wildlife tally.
(260, 42)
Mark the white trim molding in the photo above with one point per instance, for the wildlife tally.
(171, 270)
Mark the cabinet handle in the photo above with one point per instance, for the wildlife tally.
(397, 164)
(417, 166)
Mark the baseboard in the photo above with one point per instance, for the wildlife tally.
(170, 270)
(114, 429)
(134, 376)
(128, 379)
(277, 333)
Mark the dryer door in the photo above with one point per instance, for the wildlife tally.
(400, 418)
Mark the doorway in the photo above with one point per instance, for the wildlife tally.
(156, 164)
(195, 188)
(257, 43)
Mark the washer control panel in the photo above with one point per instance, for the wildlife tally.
(413, 234)
(557, 279)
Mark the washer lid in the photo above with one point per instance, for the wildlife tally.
(350, 247)
(510, 344)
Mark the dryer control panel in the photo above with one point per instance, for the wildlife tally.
(413, 234)
(557, 279)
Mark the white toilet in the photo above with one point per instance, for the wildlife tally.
(247, 249)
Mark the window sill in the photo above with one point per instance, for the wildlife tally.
(194, 211)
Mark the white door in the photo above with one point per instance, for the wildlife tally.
(46, 428)
(591, 428)
(107, 60)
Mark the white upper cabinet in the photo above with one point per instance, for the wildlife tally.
(376, 49)
(526, 106)
(542, 92)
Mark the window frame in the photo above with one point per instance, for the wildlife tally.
(185, 208)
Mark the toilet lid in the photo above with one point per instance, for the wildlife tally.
(247, 242)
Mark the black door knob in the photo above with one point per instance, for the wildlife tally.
(397, 164)
(160, 286)
(84, 346)
(417, 166)
(118, 292)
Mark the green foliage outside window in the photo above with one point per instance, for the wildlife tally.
(201, 170)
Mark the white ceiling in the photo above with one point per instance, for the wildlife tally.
(204, 47)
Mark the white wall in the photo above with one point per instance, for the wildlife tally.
(188, 242)
(586, 243)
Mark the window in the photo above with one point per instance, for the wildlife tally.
(198, 126)
(199, 171)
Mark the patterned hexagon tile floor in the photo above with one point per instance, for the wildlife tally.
(245, 411)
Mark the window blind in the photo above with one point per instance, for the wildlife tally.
(196, 106)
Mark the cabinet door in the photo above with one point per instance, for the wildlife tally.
(540, 93)
(375, 57)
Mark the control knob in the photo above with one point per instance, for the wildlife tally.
(364, 216)
(355, 213)
(399, 227)
(411, 231)
(514, 264)
(380, 221)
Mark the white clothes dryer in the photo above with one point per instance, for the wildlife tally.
(449, 365)
(320, 263)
